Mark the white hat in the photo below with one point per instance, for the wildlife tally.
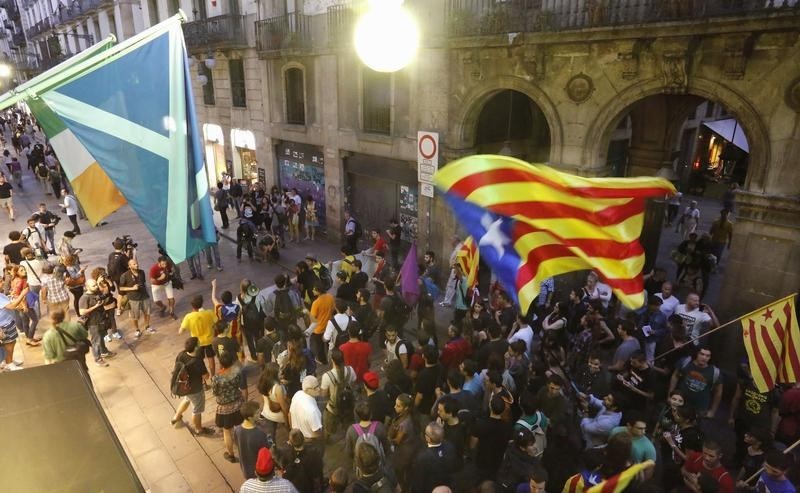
(310, 382)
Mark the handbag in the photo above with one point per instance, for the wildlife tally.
(72, 282)
(273, 406)
(77, 351)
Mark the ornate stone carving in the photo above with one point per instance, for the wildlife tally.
(579, 88)
(793, 95)
(674, 69)
(630, 65)
(734, 61)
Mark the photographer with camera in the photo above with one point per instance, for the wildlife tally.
(117, 260)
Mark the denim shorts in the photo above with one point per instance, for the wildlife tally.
(198, 401)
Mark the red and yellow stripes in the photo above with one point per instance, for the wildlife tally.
(563, 222)
(772, 340)
(468, 257)
(614, 484)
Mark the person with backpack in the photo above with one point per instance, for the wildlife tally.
(338, 384)
(518, 460)
(336, 330)
(57, 341)
(352, 232)
(282, 306)
(252, 316)
(246, 234)
(302, 463)
(322, 273)
(371, 477)
(397, 348)
(393, 309)
(699, 381)
(366, 430)
(188, 376)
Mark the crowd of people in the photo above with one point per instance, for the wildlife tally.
(357, 389)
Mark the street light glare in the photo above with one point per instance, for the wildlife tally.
(386, 36)
(5, 70)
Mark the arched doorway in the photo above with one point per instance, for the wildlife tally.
(510, 123)
(694, 142)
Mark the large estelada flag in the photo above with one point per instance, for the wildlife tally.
(772, 340)
(591, 482)
(122, 121)
(468, 258)
(533, 222)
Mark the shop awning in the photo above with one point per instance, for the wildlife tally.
(730, 130)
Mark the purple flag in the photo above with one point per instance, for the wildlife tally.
(409, 277)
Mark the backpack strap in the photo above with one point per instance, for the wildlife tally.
(359, 430)
(373, 426)
(336, 325)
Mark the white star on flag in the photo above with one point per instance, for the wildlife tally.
(494, 236)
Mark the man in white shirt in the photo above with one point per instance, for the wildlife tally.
(70, 208)
(670, 302)
(523, 332)
(342, 319)
(304, 411)
(697, 319)
(393, 351)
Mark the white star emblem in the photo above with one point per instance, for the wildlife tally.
(494, 236)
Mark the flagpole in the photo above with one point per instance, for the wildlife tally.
(785, 451)
(691, 341)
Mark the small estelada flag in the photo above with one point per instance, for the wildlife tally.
(772, 340)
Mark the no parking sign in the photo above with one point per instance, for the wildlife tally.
(427, 156)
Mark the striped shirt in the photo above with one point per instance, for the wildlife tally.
(546, 288)
(56, 289)
(274, 485)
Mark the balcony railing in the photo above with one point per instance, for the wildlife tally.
(40, 27)
(222, 31)
(285, 32)
(483, 17)
(341, 20)
(18, 39)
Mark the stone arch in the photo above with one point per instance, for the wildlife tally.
(463, 133)
(599, 133)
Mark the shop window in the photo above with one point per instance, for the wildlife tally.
(238, 94)
(208, 88)
(295, 97)
(377, 101)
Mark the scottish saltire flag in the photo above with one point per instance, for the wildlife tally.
(532, 222)
(125, 117)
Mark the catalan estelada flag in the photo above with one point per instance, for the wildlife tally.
(122, 121)
(468, 258)
(532, 222)
(591, 482)
(772, 341)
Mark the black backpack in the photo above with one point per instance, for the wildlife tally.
(179, 383)
(358, 231)
(341, 334)
(409, 350)
(325, 276)
(117, 264)
(345, 396)
(252, 316)
(399, 313)
(284, 309)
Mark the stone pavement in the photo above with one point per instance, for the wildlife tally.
(134, 389)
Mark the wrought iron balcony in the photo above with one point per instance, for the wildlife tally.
(341, 21)
(218, 32)
(484, 17)
(40, 27)
(18, 39)
(285, 32)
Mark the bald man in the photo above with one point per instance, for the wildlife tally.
(435, 465)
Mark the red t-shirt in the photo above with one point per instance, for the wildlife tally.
(155, 273)
(694, 465)
(356, 355)
(380, 245)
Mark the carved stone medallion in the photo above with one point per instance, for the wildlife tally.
(579, 88)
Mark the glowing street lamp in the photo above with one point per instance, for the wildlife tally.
(5, 70)
(386, 36)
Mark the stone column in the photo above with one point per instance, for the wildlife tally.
(334, 192)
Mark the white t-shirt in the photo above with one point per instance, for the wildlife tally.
(693, 321)
(525, 333)
(669, 305)
(330, 333)
(305, 414)
(328, 386)
(390, 349)
(70, 205)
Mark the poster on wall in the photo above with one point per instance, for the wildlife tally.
(302, 167)
(409, 209)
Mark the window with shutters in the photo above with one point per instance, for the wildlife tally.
(295, 96)
(238, 94)
(376, 101)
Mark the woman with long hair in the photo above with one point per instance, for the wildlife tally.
(404, 439)
(295, 362)
(26, 316)
(276, 403)
(74, 272)
(230, 389)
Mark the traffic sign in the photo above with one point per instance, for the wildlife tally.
(427, 157)
(426, 189)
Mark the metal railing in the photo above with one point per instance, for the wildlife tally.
(18, 39)
(482, 17)
(40, 27)
(289, 31)
(341, 21)
(221, 31)
(76, 9)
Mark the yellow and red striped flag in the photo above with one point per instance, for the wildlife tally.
(532, 222)
(587, 482)
(468, 258)
(772, 341)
